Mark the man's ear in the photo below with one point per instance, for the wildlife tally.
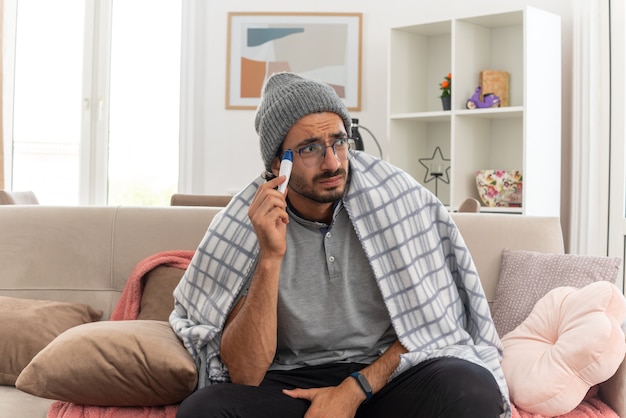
(276, 166)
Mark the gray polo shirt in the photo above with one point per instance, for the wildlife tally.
(329, 306)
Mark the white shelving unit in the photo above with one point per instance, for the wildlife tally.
(526, 135)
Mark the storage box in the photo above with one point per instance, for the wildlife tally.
(496, 82)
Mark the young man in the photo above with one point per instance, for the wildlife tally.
(350, 295)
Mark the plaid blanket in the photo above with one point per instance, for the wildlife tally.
(420, 261)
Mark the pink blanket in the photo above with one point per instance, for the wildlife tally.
(130, 301)
(128, 308)
(590, 407)
(70, 410)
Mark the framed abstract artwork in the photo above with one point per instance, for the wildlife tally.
(323, 46)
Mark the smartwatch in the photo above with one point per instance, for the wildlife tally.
(365, 385)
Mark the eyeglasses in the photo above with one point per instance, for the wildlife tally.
(313, 155)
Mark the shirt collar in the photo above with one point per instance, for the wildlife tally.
(293, 213)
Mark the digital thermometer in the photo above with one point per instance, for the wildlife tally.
(285, 169)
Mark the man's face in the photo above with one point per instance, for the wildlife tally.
(317, 179)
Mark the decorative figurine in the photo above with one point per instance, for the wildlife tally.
(489, 100)
(437, 168)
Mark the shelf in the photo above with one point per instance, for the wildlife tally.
(510, 112)
(442, 116)
(485, 209)
(525, 135)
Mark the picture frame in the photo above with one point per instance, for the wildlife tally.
(322, 46)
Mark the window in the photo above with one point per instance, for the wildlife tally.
(145, 84)
(46, 105)
(95, 100)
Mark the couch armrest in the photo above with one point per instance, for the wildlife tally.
(613, 391)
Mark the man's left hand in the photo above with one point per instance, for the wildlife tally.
(331, 402)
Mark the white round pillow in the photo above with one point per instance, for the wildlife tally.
(571, 341)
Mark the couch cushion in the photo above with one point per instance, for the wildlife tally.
(157, 298)
(17, 404)
(28, 326)
(526, 276)
(571, 341)
(113, 363)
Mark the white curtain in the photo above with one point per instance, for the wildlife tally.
(590, 133)
(192, 175)
(1, 94)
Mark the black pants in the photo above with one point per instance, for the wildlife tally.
(446, 387)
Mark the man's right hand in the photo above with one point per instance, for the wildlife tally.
(268, 214)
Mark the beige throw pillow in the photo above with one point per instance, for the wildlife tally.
(526, 276)
(113, 363)
(27, 326)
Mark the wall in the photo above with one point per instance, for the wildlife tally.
(220, 149)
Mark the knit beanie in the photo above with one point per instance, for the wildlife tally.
(287, 97)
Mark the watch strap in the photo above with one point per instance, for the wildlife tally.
(364, 384)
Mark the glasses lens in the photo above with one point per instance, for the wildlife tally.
(341, 148)
(313, 155)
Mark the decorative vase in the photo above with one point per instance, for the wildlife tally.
(446, 102)
(500, 188)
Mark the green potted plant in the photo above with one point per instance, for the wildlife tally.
(446, 88)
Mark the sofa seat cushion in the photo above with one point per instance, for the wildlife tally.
(113, 363)
(571, 341)
(526, 276)
(28, 326)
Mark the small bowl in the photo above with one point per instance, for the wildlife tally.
(499, 188)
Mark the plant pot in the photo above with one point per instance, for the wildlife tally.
(446, 102)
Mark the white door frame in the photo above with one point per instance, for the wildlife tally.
(617, 195)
